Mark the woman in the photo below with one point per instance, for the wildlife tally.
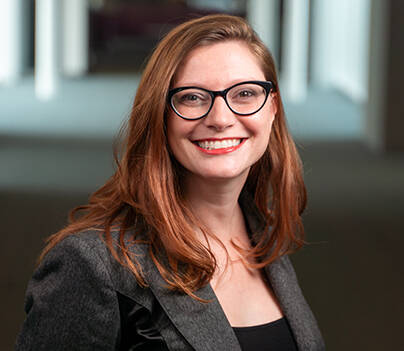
(185, 247)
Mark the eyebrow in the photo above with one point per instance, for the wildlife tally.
(202, 85)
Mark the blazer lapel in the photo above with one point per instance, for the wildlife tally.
(284, 283)
(203, 325)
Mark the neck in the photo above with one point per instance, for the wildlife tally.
(215, 202)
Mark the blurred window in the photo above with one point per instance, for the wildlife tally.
(124, 32)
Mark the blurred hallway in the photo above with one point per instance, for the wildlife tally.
(350, 272)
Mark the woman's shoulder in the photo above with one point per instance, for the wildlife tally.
(80, 254)
(76, 293)
(86, 254)
(92, 244)
(88, 242)
(78, 248)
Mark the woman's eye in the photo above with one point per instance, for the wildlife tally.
(190, 97)
(245, 93)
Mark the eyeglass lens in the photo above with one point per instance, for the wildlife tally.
(242, 99)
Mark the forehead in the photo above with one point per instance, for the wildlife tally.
(218, 66)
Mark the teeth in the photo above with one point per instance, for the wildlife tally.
(213, 145)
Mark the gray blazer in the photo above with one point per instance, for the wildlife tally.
(80, 298)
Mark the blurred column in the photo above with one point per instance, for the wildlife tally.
(339, 46)
(223, 5)
(264, 17)
(295, 51)
(75, 37)
(47, 47)
(384, 125)
(13, 42)
(323, 21)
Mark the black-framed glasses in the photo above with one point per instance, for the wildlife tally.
(243, 99)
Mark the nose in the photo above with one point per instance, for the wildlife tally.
(220, 116)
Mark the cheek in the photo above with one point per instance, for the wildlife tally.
(178, 133)
(262, 125)
(261, 130)
(174, 129)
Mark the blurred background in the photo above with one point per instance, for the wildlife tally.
(68, 74)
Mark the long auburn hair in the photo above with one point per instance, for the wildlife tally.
(143, 202)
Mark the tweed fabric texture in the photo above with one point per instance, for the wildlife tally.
(81, 298)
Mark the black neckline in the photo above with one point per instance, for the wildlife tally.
(259, 326)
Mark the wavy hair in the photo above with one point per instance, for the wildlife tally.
(142, 202)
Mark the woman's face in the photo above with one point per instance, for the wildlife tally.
(217, 67)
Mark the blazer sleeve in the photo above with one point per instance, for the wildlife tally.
(70, 302)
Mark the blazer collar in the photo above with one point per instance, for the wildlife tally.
(284, 283)
(204, 325)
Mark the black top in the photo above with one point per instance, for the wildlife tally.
(274, 335)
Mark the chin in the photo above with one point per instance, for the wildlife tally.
(221, 175)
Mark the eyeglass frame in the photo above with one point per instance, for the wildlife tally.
(269, 87)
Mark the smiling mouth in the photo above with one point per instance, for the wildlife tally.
(218, 144)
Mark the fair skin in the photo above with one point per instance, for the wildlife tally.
(213, 181)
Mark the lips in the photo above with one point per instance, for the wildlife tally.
(218, 146)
